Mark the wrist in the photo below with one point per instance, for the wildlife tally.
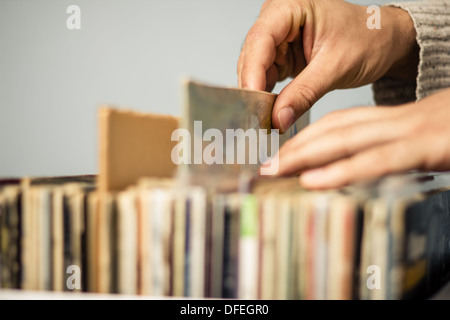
(404, 48)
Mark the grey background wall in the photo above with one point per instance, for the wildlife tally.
(129, 53)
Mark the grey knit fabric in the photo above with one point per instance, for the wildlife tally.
(432, 23)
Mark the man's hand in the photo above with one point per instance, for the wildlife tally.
(324, 45)
(362, 143)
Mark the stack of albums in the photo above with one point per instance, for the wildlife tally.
(148, 226)
(269, 240)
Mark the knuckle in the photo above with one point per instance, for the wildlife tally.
(439, 159)
(265, 5)
(335, 115)
(343, 172)
(387, 159)
(343, 142)
(416, 123)
(306, 95)
(255, 33)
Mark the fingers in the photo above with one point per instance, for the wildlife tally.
(342, 119)
(260, 50)
(339, 143)
(281, 54)
(282, 60)
(301, 93)
(282, 67)
(272, 77)
(275, 24)
(396, 156)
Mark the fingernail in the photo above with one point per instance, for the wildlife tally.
(313, 177)
(286, 117)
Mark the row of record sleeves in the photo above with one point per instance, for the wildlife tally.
(275, 241)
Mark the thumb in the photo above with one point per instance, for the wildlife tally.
(300, 94)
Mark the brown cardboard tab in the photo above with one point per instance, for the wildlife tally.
(134, 145)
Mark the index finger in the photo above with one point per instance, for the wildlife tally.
(274, 25)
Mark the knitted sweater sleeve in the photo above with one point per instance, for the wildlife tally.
(432, 23)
